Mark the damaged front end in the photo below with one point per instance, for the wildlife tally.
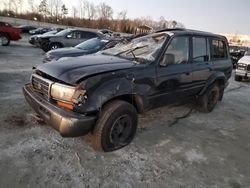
(55, 103)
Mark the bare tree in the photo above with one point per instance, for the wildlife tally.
(89, 9)
(64, 10)
(81, 9)
(58, 5)
(121, 24)
(15, 5)
(31, 5)
(43, 8)
(8, 5)
(163, 23)
(122, 15)
(105, 11)
(74, 12)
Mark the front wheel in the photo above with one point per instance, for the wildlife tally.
(54, 46)
(5, 40)
(209, 99)
(115, 127)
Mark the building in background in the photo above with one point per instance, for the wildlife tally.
(238, 39)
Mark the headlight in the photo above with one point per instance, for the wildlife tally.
(62, 92)
(66, 93)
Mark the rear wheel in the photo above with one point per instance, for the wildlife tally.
(116, 126)
(237, 78)
(4, 39)
(209, 99)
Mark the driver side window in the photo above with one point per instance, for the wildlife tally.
(177, 52)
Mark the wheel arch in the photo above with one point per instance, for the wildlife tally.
(218, 78)
(56, 42)
(133, 99)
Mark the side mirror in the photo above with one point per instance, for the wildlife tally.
(167, 59)
(69, 36)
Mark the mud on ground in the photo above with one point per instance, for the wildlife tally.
(174, 146)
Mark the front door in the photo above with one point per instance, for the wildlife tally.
(174, 73)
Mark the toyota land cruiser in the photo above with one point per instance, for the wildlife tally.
(102, 94)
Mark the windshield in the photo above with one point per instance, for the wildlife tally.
(247, 53)
(63, 32)
(146, 48)
(92, 44)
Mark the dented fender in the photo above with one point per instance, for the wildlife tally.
(104, 87)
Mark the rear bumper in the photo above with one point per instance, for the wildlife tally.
(68, 123)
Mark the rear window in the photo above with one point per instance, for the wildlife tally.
(200, 50)
(89, 35)
(218, 49)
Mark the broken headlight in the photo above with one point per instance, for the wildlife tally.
(67, 93)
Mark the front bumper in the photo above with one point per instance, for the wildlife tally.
(68, 123)
(243, 73)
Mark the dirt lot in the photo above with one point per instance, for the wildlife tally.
(174, 146)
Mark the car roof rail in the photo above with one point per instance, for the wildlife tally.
(170, 29)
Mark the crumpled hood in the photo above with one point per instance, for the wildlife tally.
(72, 70)
(245, 59)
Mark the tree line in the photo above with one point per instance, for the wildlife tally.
(86, 14)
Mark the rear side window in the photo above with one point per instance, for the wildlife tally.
(218, 49)
(76, 35)
(200, 50)
(88, 35)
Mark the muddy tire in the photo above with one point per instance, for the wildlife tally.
(209, 99)
(237, 78)
(115, 127)
(5, 39)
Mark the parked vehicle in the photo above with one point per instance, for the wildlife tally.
(26, 28)
(67, 38)
(40, 30)
(8, 33)
(236, 52)
(106, 32)
(243, 67)
(34, 39)
(87, 47)
(102, 94)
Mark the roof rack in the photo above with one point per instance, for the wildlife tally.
(170, 29)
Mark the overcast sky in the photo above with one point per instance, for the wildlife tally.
(226, 16)
(220, 16)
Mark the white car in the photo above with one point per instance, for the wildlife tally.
(243, 67)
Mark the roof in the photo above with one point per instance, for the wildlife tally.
(190, 31)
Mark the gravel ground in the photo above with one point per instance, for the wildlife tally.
(174, 147)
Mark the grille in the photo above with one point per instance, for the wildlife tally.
(41, 86)
(242, 66)
(248, 67)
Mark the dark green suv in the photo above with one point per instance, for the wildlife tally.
(102, 94)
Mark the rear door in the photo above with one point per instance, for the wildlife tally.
(220, 56)
(201, 63)
(173, 73)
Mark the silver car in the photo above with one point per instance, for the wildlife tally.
(67, 38)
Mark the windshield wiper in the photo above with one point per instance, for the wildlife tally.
(131, 51)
